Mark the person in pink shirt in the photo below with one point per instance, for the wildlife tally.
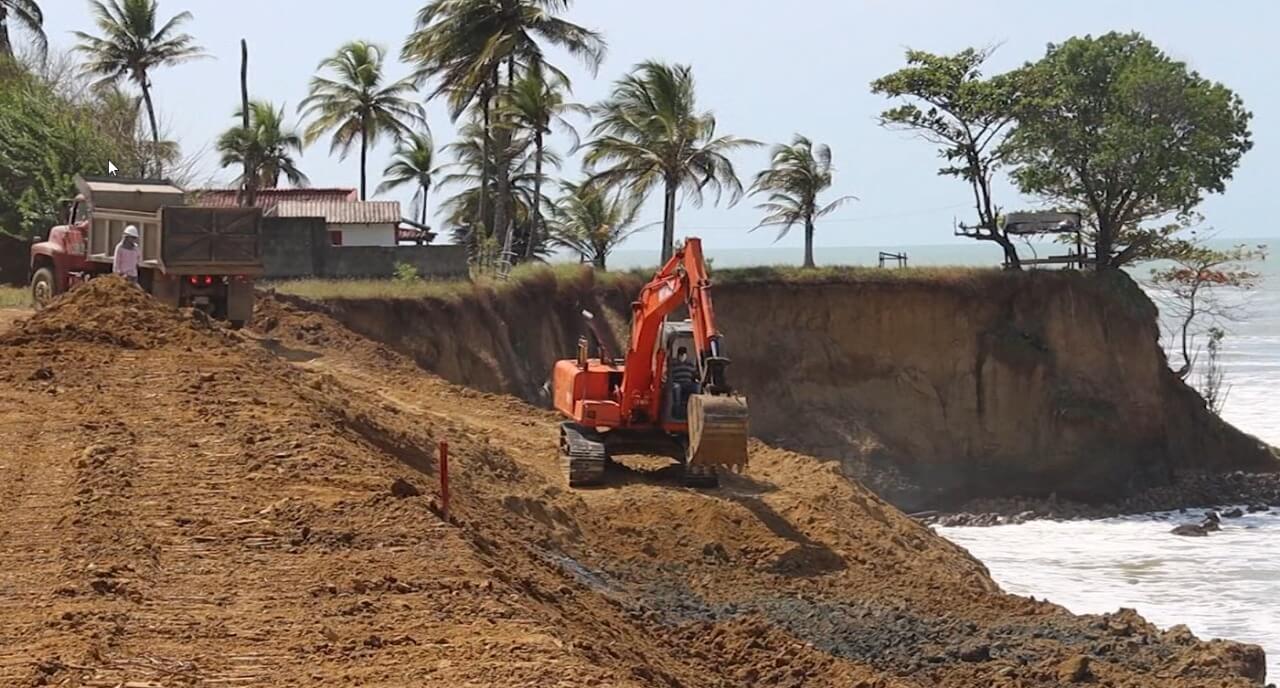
(127, 256)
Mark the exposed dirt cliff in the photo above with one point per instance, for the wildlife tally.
(935, 389)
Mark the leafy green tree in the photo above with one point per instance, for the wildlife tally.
(1116, 127)
(462, 46)
(133, 43)
(592, 220)
(649, 132)
(797, 175)
(355, 104)
(118, 114)
(1190, 288)
(414, 163)
(967, 115)
(45, 141)
(537, 100)
(26, 15)
(268, 142)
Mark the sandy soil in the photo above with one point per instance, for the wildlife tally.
(183, 505)
(8, 316)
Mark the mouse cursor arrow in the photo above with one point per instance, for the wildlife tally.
(112, 169)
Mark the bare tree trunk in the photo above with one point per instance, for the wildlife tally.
(1103, 246)
(1186, 332)
(501, 218)
(155, 128)
(987, 215)
(426, 188)
(250, 155)
(536, 229)
(1010, 251)
(669, 221)
(364, 160)
(6, 47)
(808, 243)
(486, 104)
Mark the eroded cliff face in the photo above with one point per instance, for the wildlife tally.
(933, 391)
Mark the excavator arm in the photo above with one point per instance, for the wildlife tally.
(717, 419)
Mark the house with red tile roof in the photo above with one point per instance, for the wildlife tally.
(268, 198)
(350, 223)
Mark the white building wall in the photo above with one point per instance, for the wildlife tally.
(366, 235)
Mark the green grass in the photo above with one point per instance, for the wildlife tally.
(447, 290)
(850, 274)
(326, 289)
(569, 274)
(15, 297)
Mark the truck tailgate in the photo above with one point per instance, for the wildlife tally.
(209, 238)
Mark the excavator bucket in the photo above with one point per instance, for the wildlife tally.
(717, 430)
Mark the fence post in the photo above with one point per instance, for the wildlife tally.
(444, 479)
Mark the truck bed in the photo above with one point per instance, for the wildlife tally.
(204, 239)
(184, 240)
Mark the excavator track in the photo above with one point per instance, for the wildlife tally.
(582, 455)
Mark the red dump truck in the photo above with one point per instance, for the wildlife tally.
(206, 258)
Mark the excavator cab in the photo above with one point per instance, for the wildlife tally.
(675, 335)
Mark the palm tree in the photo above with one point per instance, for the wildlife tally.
(131, 46)
(27, 15)
(355, 104)
(797, 174)
(463, 44)
(536, 100)
(268, 143)
(414, 163)
(592, 221)
(471, 171)
(649, 132)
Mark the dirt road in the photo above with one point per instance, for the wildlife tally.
(186, 505)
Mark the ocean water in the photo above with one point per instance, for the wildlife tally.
(1224, 586)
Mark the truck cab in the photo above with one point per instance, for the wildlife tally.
(62, 254)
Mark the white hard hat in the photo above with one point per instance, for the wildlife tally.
(131, 231)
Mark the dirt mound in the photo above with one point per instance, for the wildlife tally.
(265, 510)
(110, 310)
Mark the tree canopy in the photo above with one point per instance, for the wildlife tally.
(351, 100)
(797, 175)
(650, 133)
(269, 143)
(950, 103)
(134, 43)
(45, 141)
(26, 15)
(1115, 127)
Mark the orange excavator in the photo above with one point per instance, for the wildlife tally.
(650, 401)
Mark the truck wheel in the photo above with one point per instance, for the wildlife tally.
(43, 287)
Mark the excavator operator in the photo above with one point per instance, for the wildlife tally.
(683, 376)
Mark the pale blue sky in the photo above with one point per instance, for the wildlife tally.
(767, 68)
